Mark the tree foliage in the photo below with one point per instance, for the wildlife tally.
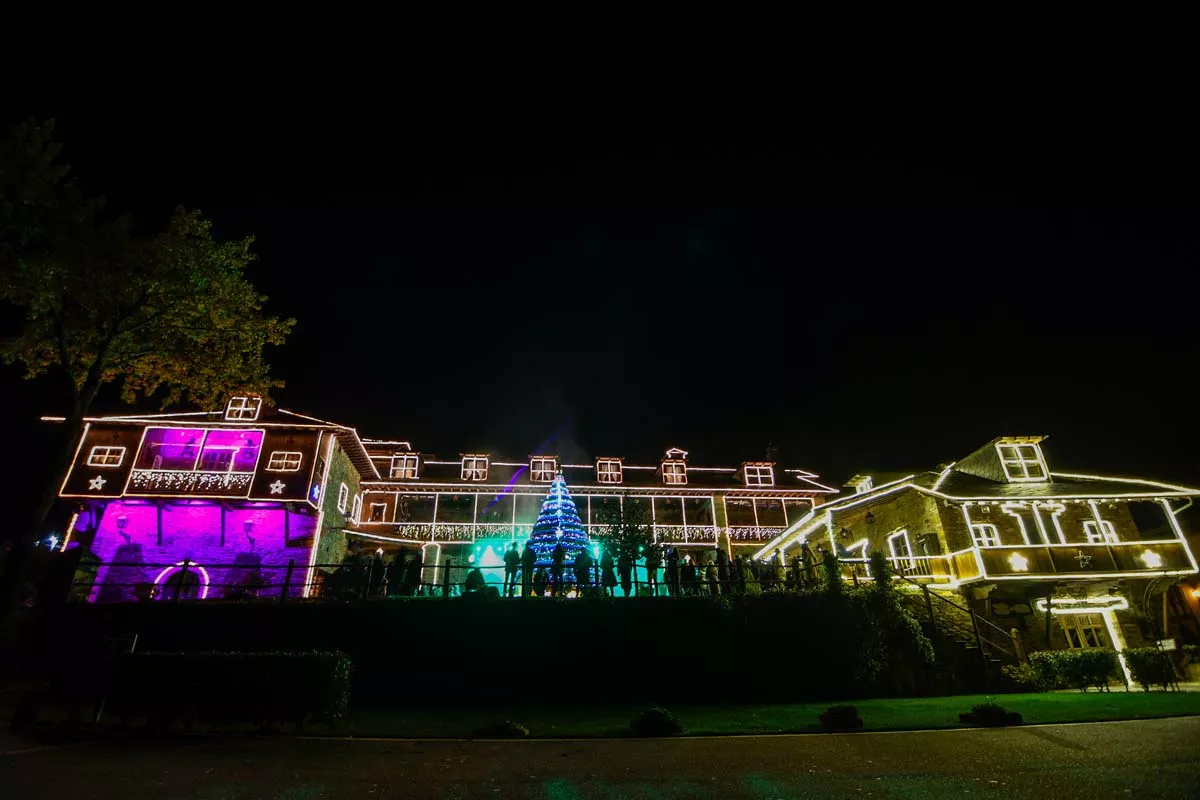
(170, 314)
(627, 530)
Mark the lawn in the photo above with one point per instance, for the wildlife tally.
(877, 715)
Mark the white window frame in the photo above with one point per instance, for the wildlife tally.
(985, 534)
(539, 472)
(356, 509)
(343, 497)
(759, 475)
(1017, 459)
(1099, 532)
(404, 467)
(284, 461)
(382, 512)
(243, 408)
(101, 456)
(896, 559)
(472, 469)
(674, 472)
(1081, 625)
(609, 470)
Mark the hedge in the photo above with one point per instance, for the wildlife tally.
(223, 688)
(1075, 669)
(1150, 667)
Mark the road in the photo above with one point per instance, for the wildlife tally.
(1149, 758)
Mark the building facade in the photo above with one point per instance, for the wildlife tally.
(210, 504)
(1019, 543)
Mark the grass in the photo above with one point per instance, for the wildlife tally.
(877, 715)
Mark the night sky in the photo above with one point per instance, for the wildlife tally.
(863, 302)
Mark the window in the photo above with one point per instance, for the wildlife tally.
(901, 549)
(608, 470)
(1083, 630)
(106, 456)
(542, 469)
(283, 461)
(985, 535)
(356, 509)
(217, 459)
(190, 449)
(474, 468)
(403, 467)
(1099, 532)
(243, 408)
(674, 472)
(1022, 462)
(760, 475)
(377, 511)
(343, 496)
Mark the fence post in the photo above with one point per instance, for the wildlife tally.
(928, 604)
(287, 579)
(445, 580)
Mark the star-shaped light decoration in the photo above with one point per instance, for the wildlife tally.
(1084, 560)
(1018, 562)
(1152, 559)
(97, 483)
(277, 487)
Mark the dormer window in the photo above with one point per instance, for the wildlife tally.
(861, 484)
(759, 474)
(474, 468)
(243, 409)
(674, 472)
(608, 470)
(1023, 463)
(403, 467)
(102, 456)
(542, 469)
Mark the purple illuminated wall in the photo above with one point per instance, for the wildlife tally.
(134, 550)
(187, 449)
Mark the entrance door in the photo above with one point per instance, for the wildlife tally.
(1084, 630)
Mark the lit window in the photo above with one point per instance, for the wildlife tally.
(343, 497)
(1083, 630)
(760, 475)
(243, 408)
(1099, 532)
(106, 456)
(403, 467)
(1022, 462)
(608, 470)
(356, 509)
(985, 535)
(674, 472)
(377, 511)
(542, 469)
(901, 550)
(284, 461)
(474, 468)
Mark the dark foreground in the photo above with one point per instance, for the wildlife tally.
(1147, 758)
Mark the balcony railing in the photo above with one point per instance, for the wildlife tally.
(166, 481)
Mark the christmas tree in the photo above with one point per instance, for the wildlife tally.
(558, 523)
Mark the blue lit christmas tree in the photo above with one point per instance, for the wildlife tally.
(558, 523)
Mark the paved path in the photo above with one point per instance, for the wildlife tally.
(1151, 758)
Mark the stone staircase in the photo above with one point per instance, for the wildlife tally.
(958, 665)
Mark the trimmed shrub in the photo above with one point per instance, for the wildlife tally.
(841, 718)
(1027, 677)
(1150, 667)
(990, 714)
(1075, 669)
(223, 688)
(655, 721)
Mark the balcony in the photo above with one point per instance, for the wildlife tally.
(179, 482)
(686, 534)
(1104, 559)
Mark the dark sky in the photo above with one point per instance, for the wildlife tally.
(878, 300)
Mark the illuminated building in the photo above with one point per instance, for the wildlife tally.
(221, 502)
(1004, 532)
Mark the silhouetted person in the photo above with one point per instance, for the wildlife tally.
(608, 578)
(412, 576)
(475, 581)
(690, 584)
(672, 572)
(625, 570)
(653, 562)
(710, 574)
(556, 568)
(528, 564)
(582, 567)
(512, 562)
(739, 575)
(723, 575)
(539, 583)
